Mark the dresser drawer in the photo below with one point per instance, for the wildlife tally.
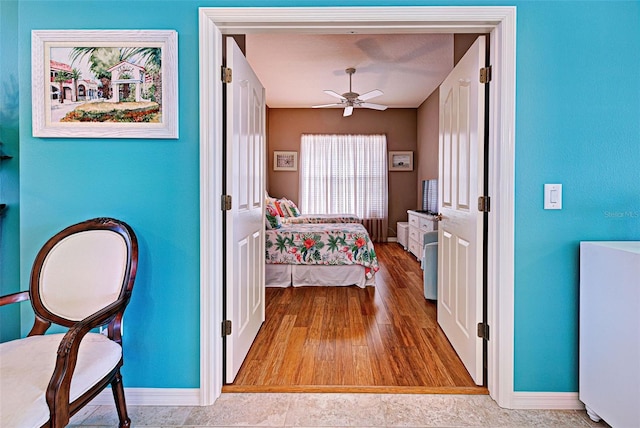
(416, 249)
(414, 221)
(415, 234)
(426, 224)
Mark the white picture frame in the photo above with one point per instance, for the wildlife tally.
(135, 97)
(285, 161)
(401, 161)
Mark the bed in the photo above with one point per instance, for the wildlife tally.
(321, 218)
(284, 211)
(320, 254)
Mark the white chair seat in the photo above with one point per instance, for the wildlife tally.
(24, 380)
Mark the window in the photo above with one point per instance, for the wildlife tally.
(346, 174)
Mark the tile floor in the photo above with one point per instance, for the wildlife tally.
(337, 410)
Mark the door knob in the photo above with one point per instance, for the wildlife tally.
(438, 217)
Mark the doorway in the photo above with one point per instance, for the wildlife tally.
(498, 21)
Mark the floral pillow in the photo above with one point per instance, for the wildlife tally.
(273, 220)
(283, 208)
(271, 203)
(295, 212)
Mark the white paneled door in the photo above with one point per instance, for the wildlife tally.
(245, 146)
(460, 232)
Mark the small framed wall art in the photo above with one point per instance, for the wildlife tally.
(285, 161)
(104, 83)
(401, 161)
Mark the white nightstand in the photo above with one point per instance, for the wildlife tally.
(403, 234)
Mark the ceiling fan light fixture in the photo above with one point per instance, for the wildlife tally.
(351, 99)
(348, 110)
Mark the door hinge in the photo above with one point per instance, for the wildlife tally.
(483, 331)
(226, 202)
(226, 75)
(485, 74)
(226, 328)
(484, 204)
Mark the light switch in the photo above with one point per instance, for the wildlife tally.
(553, 196)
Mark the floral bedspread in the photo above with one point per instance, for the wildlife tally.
(322, 218)
(322, 244)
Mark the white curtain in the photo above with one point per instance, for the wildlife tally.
(346, 174)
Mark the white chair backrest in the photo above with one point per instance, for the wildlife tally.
(83, 273)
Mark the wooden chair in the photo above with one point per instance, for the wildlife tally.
(81, 279)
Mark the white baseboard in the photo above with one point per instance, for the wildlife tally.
(191, 397)
(546, 400)
(152, 397)
(392, 239)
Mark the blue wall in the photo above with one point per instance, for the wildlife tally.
(9, 172)
(151, 184)
(577, 124)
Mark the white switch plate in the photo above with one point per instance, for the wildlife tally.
(553, 196)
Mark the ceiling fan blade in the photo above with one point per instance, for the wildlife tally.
(374, 106)
(370, 94)
(347, 111)
(334, 94)
(328, 105)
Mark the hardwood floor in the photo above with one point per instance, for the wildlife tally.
(347, 339)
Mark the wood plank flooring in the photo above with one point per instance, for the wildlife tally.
(347, 339)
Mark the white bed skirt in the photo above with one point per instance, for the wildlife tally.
(281, 275)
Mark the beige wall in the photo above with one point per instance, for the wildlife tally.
(462, 43)
(285, 126)
(428, 123)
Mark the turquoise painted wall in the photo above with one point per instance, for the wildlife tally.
(9, 172)
(577, 124)
(151, 184)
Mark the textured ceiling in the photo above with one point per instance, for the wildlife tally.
(296, 69)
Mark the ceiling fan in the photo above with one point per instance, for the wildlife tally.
(351, 99)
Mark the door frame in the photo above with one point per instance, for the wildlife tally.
(500, 22)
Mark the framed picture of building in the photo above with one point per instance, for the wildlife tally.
(104, 83)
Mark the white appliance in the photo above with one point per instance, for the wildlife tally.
(610, 331)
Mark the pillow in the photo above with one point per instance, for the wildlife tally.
(272, 220)
(270, 202)
(294, 209)
(289, 207)
(282, 210)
